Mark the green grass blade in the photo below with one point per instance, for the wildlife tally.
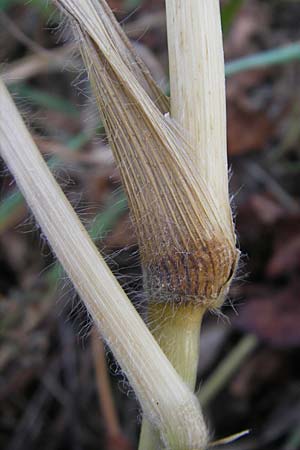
(8, 207)
(45, 8)
(44, 99)
(228, 14)
(264, 59)
(103, 222)
(5, 4)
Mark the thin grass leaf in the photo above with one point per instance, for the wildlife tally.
(5, 4)
(44, 7)
(104, 222)
(229, 12)
(269, 58)
(44, 99)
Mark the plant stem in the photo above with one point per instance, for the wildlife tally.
(177, 330)
(197, 82)
(166, 400)
(177, 186)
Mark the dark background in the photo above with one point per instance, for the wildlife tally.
(48, 386)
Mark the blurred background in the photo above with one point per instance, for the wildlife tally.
(59, 388)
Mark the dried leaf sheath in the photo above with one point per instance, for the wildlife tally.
(187, 245)
(120, 42)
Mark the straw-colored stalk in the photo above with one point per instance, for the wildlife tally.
(174, 169)
(197, 82)
(165, 399)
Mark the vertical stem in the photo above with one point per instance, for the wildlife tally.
(197, 80)
(177, 330)
(198, 104)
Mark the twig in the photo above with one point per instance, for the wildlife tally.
(112, 425)
(32, 65)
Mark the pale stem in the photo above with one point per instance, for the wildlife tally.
(198, 104)
(197, 82)
(177, 330)
(165, 399)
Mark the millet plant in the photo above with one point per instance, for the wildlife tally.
(173, 163)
